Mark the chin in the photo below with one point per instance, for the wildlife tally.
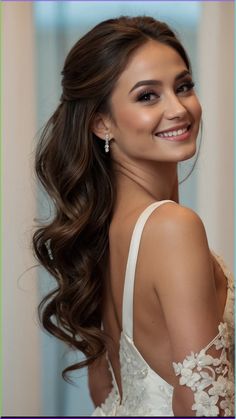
(187, 153)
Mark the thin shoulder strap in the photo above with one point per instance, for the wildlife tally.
(127, 308)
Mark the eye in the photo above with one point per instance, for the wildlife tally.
(147, 96)
(185, 87)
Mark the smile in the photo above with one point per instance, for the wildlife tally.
(177, 134)
(173, 133)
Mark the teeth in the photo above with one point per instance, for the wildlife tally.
(173, 133)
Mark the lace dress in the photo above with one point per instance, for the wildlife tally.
(145, 393)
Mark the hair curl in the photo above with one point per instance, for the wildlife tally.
(78, 177)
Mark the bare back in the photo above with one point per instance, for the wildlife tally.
(151, 335)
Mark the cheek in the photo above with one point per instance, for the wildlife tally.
(196, 109)
(138, 120)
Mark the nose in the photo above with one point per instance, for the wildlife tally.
(174, 108)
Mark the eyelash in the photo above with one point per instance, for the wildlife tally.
(190, 85)
(142, 95)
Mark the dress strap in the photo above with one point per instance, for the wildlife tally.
(127, 308)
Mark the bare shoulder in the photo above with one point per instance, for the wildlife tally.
(172, 217)
(179, 265)
(175, 240)
(172, 225)
(175, 231)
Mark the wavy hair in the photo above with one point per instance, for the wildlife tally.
(78, 177)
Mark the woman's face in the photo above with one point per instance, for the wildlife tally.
(155, 111)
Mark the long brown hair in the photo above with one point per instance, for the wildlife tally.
(78, 177)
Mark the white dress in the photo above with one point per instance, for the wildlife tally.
(145, 393)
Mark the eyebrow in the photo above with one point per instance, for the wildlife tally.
(158, 82)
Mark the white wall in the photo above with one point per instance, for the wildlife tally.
(21, 367)
(215, 172)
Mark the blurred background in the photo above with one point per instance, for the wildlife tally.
(36, 39)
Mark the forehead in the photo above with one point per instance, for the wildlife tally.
(152, 60)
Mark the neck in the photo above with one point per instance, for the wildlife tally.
(138, 182)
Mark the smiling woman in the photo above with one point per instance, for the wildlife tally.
(139, 291)
(152, 100)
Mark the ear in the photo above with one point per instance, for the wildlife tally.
(100, 125)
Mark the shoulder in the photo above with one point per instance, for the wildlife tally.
(179, 266)
(172, 224)
(176, 246)
(172, 217)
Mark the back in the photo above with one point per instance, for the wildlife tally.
(145, 338)
(149, 330)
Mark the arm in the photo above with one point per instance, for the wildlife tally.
(99, 380)
(184, 282)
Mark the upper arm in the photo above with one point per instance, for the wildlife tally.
(183, 280)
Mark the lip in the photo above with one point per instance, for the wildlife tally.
(175, 128)
(182, 137)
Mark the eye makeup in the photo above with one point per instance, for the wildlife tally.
(150, 95)
(145, 96)
(188, 85)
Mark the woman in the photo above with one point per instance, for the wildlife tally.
(139, 291)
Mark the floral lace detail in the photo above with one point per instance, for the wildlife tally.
(109, 406)
(229, 307)
(136, 391)
(134, 370)
(211, 379)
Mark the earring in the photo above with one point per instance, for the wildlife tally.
(107, 139)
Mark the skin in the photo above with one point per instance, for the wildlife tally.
(141, 158)
(146, 171)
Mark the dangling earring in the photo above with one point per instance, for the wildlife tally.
(107, 139)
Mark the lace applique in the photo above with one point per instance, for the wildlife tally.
(211, 379)
(109, 406)
(133, 372)
(135, 389)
